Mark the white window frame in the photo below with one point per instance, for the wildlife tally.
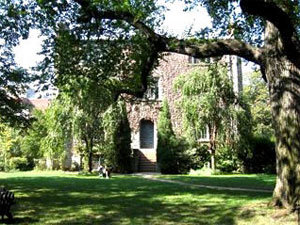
(206, 138)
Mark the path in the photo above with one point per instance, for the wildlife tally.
(151, 177)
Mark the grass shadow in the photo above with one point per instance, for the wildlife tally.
(121, 200)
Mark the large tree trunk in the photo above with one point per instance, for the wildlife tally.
(284, 87)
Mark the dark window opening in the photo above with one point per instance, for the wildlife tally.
(146, 134)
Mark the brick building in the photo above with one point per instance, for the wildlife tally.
(143, 113)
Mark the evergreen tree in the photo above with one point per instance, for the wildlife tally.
(117, 150)
(171, 155)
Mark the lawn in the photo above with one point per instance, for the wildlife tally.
(61, 198)
(252, 181)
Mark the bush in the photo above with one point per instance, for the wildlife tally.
(40, 164)
(227, 159)
(199, 155)
(18, 163)
(2, 165)
(172, 157)
(262, 158)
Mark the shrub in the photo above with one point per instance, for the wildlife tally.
(2, 164)
(40, 164)
(199, 155)
(262, 158)
(227, 159)
(18, 163)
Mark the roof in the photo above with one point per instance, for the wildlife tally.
(41, 104)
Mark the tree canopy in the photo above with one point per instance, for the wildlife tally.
(15, 24)
(122, 39)
(207, 102)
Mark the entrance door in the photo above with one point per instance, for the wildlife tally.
(146, 134)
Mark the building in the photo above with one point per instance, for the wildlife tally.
(143, 113)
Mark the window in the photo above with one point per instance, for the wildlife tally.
(152, 92)
(146, 134)
(204, 134)
(193, 60)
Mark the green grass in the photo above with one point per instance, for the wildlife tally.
(59, 198)
(253, 181)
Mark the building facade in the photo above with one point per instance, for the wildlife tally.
(143, 113)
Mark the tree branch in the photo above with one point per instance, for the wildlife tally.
(202, 49)
(270, 11)
(147, 67)
(215, 48)
(159, 44)
(93, 12)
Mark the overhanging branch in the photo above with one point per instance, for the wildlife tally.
(270, 11)
(215, 48)
(92, 12)
(202, 49)
(159, 44)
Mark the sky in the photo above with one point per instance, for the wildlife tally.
(176, 22)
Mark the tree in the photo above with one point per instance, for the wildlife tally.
(262, 31)
(15, 24)
(116, 149)
(207, 102)
(257, 95)
(33, 136)
(171, 155)
(89, 104)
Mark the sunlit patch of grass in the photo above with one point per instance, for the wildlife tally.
(252, 181)
(64, 198)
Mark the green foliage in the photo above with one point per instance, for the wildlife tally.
(228, 19)
(262, 157)
(15, 21)
(9, 145)
(256, 93)
(19, 163)
(12, 155)
(116, 150)
(52, 145)
(89, 105)
(32, 140)
(207, 99)
(207, 102)
(171, 151)
(227, 159)
(198, 154)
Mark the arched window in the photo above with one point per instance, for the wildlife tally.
(146, 134)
